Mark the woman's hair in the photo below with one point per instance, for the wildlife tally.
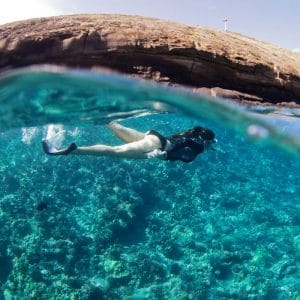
(195, 132)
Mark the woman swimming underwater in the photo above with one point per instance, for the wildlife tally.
(184, 146)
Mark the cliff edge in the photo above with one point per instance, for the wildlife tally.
(212, 60)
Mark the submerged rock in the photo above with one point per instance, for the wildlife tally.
(42, 206)
(6, 265)
(243, 67)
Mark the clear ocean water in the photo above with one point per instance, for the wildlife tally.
(226, 226)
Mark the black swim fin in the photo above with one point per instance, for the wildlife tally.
(50, 150)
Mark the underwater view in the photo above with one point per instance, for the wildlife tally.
(224, 226)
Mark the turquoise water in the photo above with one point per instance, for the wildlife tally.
(226, 226)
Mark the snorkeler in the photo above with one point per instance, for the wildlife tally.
(184, 146)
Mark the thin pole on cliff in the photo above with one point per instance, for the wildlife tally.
(225, 24)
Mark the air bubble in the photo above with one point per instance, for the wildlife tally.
(257, 131)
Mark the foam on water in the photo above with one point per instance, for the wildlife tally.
(55, 134)
(28, 134)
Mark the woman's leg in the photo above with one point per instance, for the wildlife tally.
(126, 134)
(137, 150)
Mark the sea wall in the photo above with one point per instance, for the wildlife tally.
(238, 66)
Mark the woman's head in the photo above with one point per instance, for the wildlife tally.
(196, 132)
(204, 133)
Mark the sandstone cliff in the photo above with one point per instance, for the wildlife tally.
(161, 50)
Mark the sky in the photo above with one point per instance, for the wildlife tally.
(275, 21)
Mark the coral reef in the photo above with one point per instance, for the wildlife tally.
(226, 226)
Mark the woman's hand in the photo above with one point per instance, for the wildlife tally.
(157, 153)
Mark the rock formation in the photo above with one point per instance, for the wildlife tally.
(156, 49)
